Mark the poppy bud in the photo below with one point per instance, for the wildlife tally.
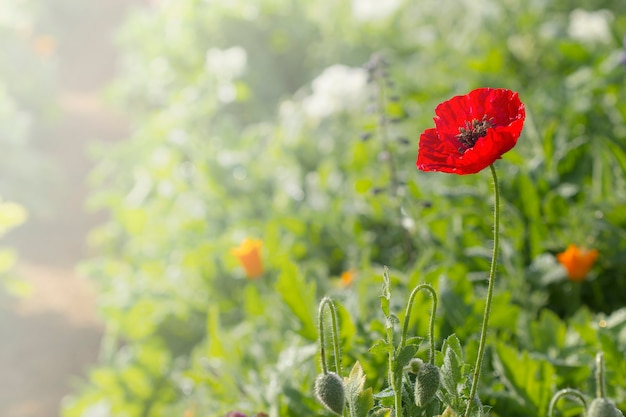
(330, 392)
(603, 407)
(426, 384)
(414, 365)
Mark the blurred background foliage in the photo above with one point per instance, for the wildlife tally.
(27, 104)
(26, 109)
(297, 123)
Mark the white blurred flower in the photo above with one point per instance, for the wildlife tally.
(367, 10)
(226, 64)
(590, 27)
(337, 88)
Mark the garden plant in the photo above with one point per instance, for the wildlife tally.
(269, 191)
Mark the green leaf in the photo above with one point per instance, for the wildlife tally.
(216, 348)
(383, 412)
(347, 330)
(384, 305)
(416, 340)
(385, 297)
(451, 374)
(363, 185)
(360, 401)
(453, 342)
(392, 320)
(364, 403)
(548, 332)
(381, 346)
(404, 355)
(296, 293)
(387, 393)
(529, 379)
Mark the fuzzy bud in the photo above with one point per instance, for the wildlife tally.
(414, 365)
(426, 384)
(603, 407)
(330, 392)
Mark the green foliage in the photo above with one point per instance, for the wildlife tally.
(250, 121)
(11, 216)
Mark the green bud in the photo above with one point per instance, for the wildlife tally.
(330, 392)
(414, 365)
(603, 407)
(426, 384)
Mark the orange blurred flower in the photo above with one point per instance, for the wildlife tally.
(347, 277)
(249, 255)
(577, 261)
(44, 45)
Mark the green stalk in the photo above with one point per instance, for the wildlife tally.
(600, 375)
(567, 391)
(326, 301)
(396, 385)
(431, 327)
(492, 273)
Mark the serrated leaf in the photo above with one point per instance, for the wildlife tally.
(355, 381)
(381, 346)
(404, 355)
(359, 401)
(451, 371)
(454, 343)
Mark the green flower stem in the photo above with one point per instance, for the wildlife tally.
(395, 377)
(600, 375)
(327, 301)
(384, 134)
(431, 328)
(567, 391)
(492, 273)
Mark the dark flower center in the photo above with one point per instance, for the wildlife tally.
(474, 130)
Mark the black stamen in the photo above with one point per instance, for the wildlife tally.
(474, 130)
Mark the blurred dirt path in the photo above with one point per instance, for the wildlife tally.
(49, 340)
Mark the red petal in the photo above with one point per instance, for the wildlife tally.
(434, 154)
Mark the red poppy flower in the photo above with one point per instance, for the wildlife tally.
(471, 131)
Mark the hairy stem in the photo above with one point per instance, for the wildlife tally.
(567, 391)
(327, 302)
(600, 375)
(492, 273)
(431, 327)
